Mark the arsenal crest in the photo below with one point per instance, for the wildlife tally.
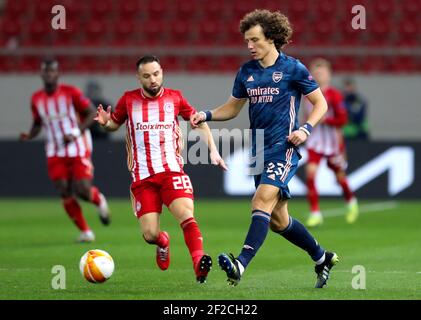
(277, 76)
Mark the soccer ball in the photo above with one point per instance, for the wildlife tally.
(96, 266)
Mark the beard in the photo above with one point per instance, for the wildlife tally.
(153, 91)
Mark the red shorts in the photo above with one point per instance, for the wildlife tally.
(336, 162)
(149, 194)
(74, 168)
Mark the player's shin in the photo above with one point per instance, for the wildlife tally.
(312, 195)
(193, 238)
(256, 235)
(98, 199)
(348, 194)
(297, 234)
(74, 211)
(95, 196)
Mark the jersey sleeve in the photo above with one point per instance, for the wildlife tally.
(303, 80)
(80, 101)
(120, 113)
(186, 109)
(239, 90)
(340, 116)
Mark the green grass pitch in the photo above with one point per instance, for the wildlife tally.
(36, 235)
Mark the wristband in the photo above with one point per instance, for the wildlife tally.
(207, 114)
(307, 128)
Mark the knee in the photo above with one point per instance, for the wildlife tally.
(83, 192)
(311, 171)
(65, 194)
(184, 215)
(188, 209)
(311, 176)
(63, 191)
(260, 201)
(182, 211)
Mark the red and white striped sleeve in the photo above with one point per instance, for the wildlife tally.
(186, 109)
(120, 113)
(80, 101)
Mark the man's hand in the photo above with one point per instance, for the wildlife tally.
(103, 116)
(24, 136)
(196, 119)
(67, 138)
(297, 137)
(217, 160)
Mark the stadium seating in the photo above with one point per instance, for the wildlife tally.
(192, 24)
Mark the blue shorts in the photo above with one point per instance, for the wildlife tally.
(278, 170)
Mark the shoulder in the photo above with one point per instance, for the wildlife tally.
(295, 65)
(335, 92)
(251, 64)
(131, 92)
(248, 67)
(135, 93)
(73, 90)
(37, 94)
(287, 62)
(173, 93)
(288, 59)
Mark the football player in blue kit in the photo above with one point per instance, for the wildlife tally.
(272, 83)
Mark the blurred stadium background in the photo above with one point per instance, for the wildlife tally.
(201, 49)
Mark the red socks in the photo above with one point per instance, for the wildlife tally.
(162, 240)
(95, 199)
(312, 195)
(193, 239)
(74, 211)
(348, 194)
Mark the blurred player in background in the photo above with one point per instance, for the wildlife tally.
(327, 141)
(66, 114)
(94, 93)
(273, 83)
(154, 159)
(357, 107)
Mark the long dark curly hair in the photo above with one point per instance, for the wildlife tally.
(275, 25)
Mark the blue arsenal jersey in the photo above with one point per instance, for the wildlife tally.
(274, 95)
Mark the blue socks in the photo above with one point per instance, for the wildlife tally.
(297, 234)
(256, 235)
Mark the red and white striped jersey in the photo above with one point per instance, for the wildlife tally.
(153, 135)
(59, 113)
(326, 137)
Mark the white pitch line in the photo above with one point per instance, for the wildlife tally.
(364, 208)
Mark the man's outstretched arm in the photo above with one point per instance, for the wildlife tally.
(103, 117)
(227, 111)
